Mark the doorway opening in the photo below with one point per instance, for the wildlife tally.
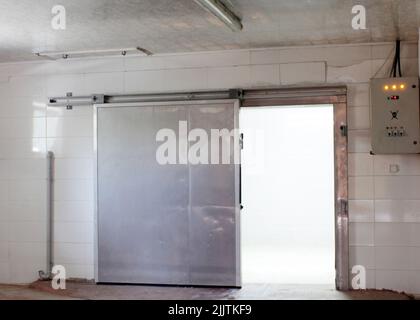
(288, 215)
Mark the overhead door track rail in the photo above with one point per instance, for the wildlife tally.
(248, 96)
(71, 101)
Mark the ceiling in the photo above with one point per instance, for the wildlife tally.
(169, 26)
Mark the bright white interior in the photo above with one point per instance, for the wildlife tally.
(288, 195)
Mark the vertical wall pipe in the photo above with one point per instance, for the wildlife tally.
(46, 275)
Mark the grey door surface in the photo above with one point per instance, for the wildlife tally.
(164, 224)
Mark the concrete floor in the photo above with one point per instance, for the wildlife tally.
(81, 290)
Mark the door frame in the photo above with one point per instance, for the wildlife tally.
(336, 96)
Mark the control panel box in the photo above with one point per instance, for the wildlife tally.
(395, 115)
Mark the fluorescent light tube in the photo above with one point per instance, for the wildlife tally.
(219, 10)
(92, 53)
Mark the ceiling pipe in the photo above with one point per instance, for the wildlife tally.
(218, 9)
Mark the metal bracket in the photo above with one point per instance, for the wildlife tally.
(69, 106)
(98, 98)
(236, 93)
(344, 130)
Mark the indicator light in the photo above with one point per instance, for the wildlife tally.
(402, 86)
(386, 87)
(394, 87)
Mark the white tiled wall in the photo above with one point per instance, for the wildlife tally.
(384, 203)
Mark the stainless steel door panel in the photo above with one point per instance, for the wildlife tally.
(142, 235)
(163, 224)
(213, 205)
(213, 249)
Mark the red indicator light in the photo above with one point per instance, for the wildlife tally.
(394, 97)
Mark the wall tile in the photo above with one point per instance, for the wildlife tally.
(70, 127)
(154, 62)
(27, 190)
(361, 211)
(27, 169)
(68, 168)
(229, 77)
(22, 273)
(359, 72)
(74, 253)
(60, 85)
(213, 59)
(22, 127)
(73, 211)
(4, 231)
(359, 141)
(265, 75)
(361, 234)
(361, 188)
(397, 234)
(79, 271)
(397, 211)
(358, 95)
(71, 147)
(73, 190)
(397, 258)
(87, 65)
(22, 107)
(288, 55)
(104, 83)
(76, 111)
(358, 118)
(397, 187)
(397, 165)
(4, 169)
(4, 191)
(265, 56)
(27, 232)
(22, 148)
(362, 255)
(27, 211)
(360, 164)
(73, 232)
(4, 272)
(24, 86)
(414, 278)
(4, 252)
(27, 252)
(144, 81)
(343, 56)
(188, 79)
(4, 215)
(295, 73)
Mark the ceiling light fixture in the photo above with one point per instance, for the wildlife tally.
(218, 9)
(92, 53)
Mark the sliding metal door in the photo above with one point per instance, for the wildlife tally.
(174, 223)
